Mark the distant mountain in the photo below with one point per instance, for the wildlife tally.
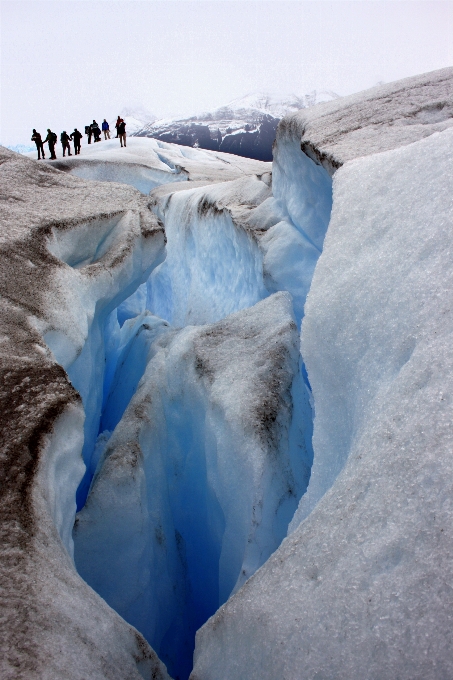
(136, 118)
(245, 126)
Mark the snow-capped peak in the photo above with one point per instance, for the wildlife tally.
(279, 106)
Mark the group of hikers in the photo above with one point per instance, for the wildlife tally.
(91, 131)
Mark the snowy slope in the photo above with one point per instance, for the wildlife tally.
(360, 588)
(378, 119)
(147, 163)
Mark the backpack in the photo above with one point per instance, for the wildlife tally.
(54, 137)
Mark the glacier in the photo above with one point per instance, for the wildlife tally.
(164, 429)
(361, 585)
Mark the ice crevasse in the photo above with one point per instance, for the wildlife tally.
(176, 318)
(198, 470)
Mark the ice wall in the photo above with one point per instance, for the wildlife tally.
(302, 203)
(360, 588)
(197, 484)
(66, 245)
(213, 267)
(116, 266)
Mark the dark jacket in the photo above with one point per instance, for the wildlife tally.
(51, 138)
(76, 136)
(64, 138)
(122, 128)
(36, 138)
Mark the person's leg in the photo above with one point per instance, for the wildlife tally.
(39, 152)
(124, 139)
(42, 151)
(108, 133)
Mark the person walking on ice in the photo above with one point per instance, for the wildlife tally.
(51, 140)
(106, 129)
(64, 139)
(96, 131)
(122, 132)
(76, 136)
(37, 139)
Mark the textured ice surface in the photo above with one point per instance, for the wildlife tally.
(201, 476)
(148, 163)
(379, 119)
(232, 243)
(361, 588)
(60, 239)
(213, 266)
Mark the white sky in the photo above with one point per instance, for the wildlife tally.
(65, 62)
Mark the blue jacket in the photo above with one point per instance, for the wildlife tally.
(105, 125)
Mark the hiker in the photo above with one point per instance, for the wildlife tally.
(51, 140)
(37, 139)
(118, 121)
(88, 132)
(64, 139)
(96, 131)
(122, 132)
(76, 136)
(106, 129)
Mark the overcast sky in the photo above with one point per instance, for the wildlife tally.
(65, 62)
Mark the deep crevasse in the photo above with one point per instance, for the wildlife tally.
(172, 525)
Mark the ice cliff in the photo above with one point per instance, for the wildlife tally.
(151, 366)
(361, 587)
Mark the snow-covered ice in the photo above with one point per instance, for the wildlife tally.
(148, 163)
(361, 588)
(382, 118)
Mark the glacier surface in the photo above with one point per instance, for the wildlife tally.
(361, 587)
(148, 163)
(150, 360)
